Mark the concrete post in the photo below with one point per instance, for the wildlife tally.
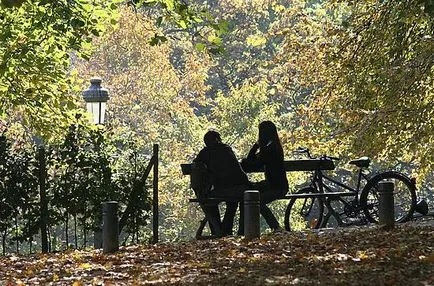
(386, 206)
(110, 227)
(252, 227)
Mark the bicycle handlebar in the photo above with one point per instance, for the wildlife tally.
(302, 150)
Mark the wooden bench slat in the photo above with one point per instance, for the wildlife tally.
(209, 200)
(290, 166)
(320, 195)
(287, 197)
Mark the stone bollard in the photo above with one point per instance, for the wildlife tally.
(110, 227)
(252, 227)
(386, 206)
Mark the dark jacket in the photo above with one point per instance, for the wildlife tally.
(223, 166)
(271, 160)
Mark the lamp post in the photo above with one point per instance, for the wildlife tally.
(96, 100)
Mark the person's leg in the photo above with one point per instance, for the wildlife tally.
(234, 194)
(265, 212)
(228, 219)
(267, 196)
(269, 217)
(212, 214)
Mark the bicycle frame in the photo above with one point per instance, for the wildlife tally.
(353, 204)
(317, 182)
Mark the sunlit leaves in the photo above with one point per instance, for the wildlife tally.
(187, 18)
(238, 114)
(378, 80)
(200, 47)
(256, 40)
(36, 41)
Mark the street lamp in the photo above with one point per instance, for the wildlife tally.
(96, 99)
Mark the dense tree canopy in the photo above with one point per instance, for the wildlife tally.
(377, 92)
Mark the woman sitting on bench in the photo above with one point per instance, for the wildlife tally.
(267, 152)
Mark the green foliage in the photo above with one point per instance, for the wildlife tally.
(82, 172)
(174, 16)
(36, 38)
(238, 114)
(18, 188)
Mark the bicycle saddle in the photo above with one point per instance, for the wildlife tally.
(362, 162)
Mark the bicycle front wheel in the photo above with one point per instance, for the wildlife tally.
(404, 196)
(304, 213)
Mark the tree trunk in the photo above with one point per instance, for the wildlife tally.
(4, 242)
(66, 231)
(84, 232)
(75, 231)
(43, 198)
(30, 240)
(16, 235)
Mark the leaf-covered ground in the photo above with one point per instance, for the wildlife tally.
(364, 256)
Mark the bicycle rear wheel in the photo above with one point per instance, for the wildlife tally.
(302, 213)
(404, 196)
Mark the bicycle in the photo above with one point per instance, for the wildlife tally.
(358, 207)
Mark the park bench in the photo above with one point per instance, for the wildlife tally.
(290, 166)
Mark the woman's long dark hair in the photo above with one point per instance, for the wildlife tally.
(268, 134)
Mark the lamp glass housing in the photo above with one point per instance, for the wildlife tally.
(97, 109)
(96, 100)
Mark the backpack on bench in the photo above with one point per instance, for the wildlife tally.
(200, 180)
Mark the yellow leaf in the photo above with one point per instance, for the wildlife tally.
(256, 40)
(76, 283)
(85, 265)
(108, 265)
(242, 270)
(362, 255)
(55, 277)
(278, 8)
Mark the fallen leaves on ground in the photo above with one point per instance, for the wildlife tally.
(364, 256)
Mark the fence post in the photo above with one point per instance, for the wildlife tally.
(155, 196)
(252, 227)
(43, 199)
(386, 207)
(110, 227)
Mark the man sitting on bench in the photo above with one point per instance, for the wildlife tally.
(227, 180)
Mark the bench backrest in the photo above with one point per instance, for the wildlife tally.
(290, 166)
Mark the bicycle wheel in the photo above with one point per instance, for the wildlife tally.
(302, 213)
(404, 196)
